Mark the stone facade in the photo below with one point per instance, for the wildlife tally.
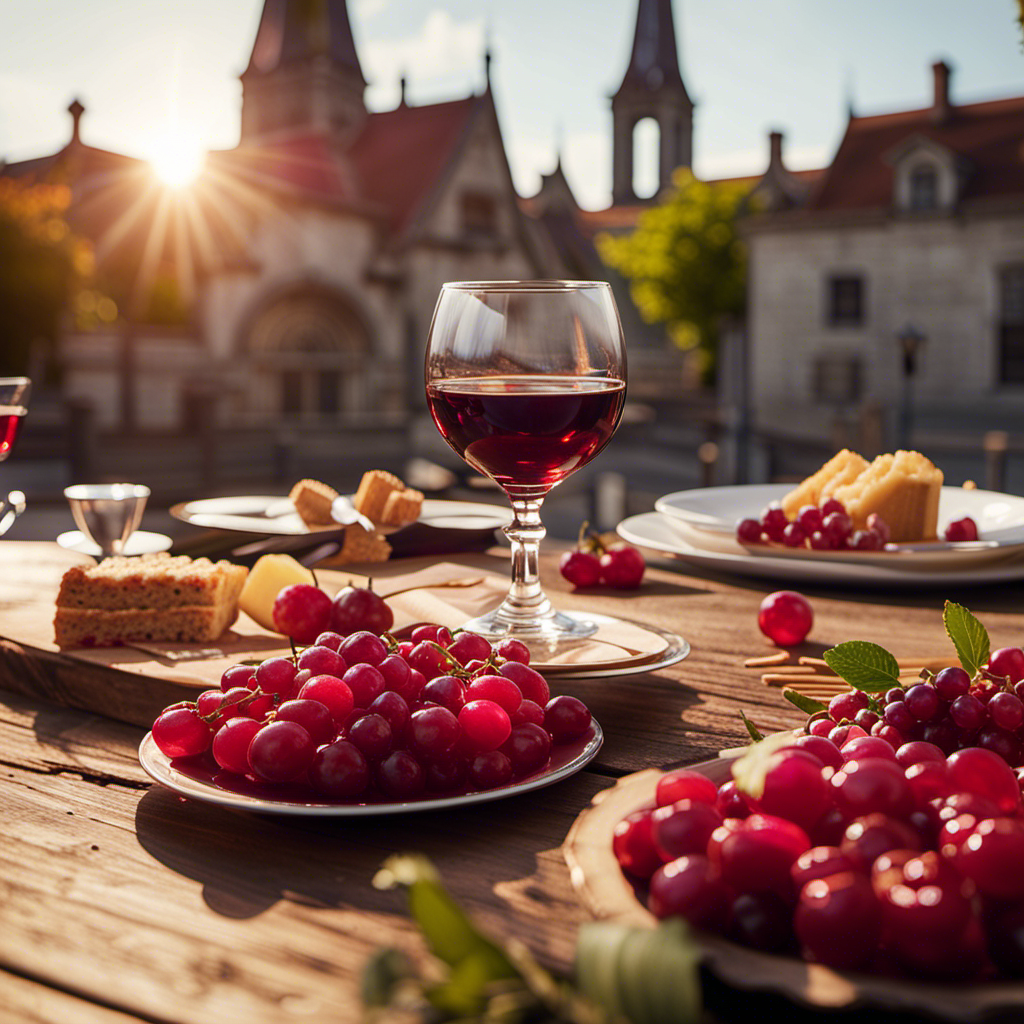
(914, 232)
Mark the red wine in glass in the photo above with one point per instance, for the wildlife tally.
(526, 382)
(10, 421)
(527, 433)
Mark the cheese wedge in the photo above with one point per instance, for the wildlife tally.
(267, 578)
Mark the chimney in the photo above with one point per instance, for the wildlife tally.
(76, 110)
(775, 151)
(941, 105)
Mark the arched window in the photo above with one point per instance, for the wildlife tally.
(309, 351)
(646, 158)
(924, 187)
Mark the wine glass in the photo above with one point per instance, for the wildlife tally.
(14, 392)
(526, 381)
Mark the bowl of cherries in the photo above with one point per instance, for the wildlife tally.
(872, 856)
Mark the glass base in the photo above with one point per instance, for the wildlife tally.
(545, 631)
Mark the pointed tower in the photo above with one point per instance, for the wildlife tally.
(652, 87)
(304, 73)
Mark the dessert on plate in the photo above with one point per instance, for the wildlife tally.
(149, 598)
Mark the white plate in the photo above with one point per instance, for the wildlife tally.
(566, 760)
(656, 532)
(999, 517)
(139, 543)
(275, 514)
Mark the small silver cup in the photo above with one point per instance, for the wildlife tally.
(107, 513)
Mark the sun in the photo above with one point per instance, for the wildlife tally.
(176, 159)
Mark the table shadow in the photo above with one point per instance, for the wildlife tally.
(246, 862)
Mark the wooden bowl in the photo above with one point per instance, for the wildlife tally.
(608, 895)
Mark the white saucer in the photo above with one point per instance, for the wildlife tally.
(139, 543)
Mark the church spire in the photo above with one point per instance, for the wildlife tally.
(651, 87)
(304, 72)
(654, 62)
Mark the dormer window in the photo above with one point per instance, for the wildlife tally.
(479, 215)
(924, 188)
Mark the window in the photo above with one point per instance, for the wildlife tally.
(924, 188)
(1011, 324)
(291, 392)
(845, 301)
(479, 215)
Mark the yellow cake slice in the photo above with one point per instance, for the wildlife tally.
(903, 488)
(841, 469)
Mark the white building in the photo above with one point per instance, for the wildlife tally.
(913, 234)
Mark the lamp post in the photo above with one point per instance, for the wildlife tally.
(911, 341)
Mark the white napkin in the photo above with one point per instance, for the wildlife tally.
(344, 512)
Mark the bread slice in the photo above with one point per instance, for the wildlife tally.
(842, 468)
(903, 488)
(402, 507)
(313, 501)
(375, 488)
(76, 627)
(153, 597)
(151, 582)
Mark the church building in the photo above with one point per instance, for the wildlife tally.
(308, 258)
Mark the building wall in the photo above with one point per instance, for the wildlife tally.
(939, 274)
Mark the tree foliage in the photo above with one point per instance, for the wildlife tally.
(685, 263)
(41, 265)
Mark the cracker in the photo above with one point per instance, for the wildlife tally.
(313, 500)
(402, 507)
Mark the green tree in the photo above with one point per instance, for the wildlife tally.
(42, 264)
(685, 262)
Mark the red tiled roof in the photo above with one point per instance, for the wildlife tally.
(988, 135)
(400, 154)
(306, 163)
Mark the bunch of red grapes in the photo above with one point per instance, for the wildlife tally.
(365, 717)
(889, 836)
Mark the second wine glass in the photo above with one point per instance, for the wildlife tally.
(526, 381)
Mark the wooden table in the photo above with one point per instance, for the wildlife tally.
(121, 902)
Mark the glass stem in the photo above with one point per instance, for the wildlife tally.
(526, 601)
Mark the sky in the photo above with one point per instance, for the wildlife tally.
(153, 73)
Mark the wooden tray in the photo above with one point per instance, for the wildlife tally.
(606, 893)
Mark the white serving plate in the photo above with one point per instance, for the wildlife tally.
(657, 532)
(275, 514)
(566, 760)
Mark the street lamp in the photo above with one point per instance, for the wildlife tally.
(911, 341)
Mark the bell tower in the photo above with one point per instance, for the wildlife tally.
(652, 87)
(304, 72)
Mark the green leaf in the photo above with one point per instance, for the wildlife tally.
(382, 975)
(752, 730)
(806, 704)
(648, 976)
(450, 934)
(969, 636)
(865, 666)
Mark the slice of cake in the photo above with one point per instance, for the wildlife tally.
(903, 488)
(841, 469)
(150, 598)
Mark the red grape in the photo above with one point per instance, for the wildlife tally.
(356, 608)
(339, 771)
(302, 612)
(622, 567)
(785, 617)
(280, 751)
(180, 732)
(580, 568)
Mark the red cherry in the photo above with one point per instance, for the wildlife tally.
(580, 568)
(302, 612)
(622, 567)
(357, 608)
(962, 530)
(785, 617)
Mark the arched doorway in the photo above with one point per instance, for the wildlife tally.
(310, 353)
